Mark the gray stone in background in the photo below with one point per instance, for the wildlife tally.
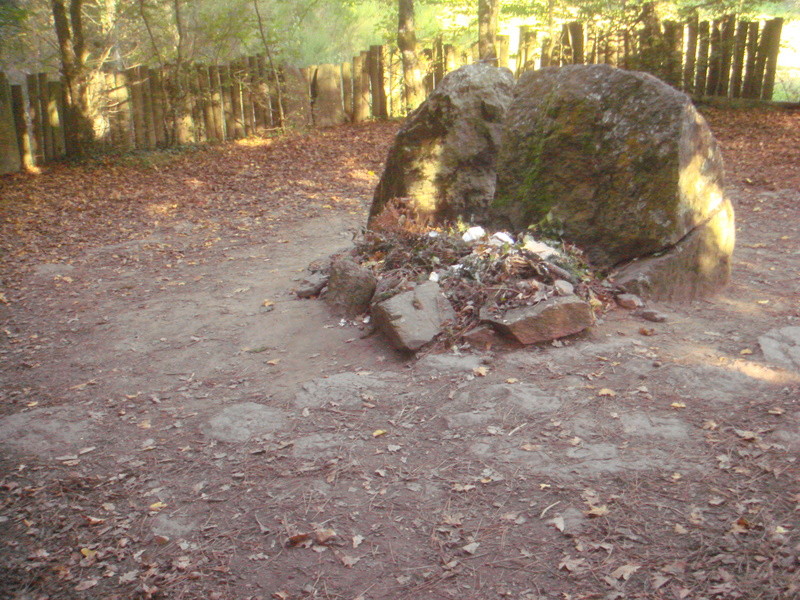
(781, 347)
(412, 319)
(443, 159)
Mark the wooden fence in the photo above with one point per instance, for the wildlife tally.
(146, 108)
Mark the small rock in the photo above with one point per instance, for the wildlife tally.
(350, 287)
(540, 248)
(551, 319)
(564, 288)
(629, 301)
(311, 286)
(412, 319)
(501, 237)
(483, 336)
(652, 315)
(473, 234)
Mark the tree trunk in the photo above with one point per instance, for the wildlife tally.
(78, 129)
(691, 54)
(772, 37)
(407, 42)
(487, 29)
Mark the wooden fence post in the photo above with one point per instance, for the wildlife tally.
(159, 102)
(749, 87)
(727, 34)
(576, 42)
(47, 131)
(525, 54)
(691, 54)
(702, 58)
(450, 58)
(376, 77)
(35, 113)
(256, 96)
(226, 91)
(361, 93)
(714, 58)
(761, 63)
(737, 66)
(347, 89)
(122, 129)
(10, 158)
(135, 91)
(503, 44)
(673, 44)
(215, 98)
(147, 106)
(265, 93)
(328, 110)
(772, 35)
(21, 128)
(439, 68)
(55, 117)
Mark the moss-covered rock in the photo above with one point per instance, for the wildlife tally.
(622, 162)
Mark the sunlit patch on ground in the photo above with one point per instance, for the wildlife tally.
(254, 142)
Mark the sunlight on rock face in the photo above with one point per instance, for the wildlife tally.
(720, 238)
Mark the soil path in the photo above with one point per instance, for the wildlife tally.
(177, 425)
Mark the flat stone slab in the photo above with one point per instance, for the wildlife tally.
(448, 363)
(412, 319)
(323, 445)
(244, 421)
(645, 425)
(342, 389)
(781, 347)
(548, 320)
(526, 398)
(46, 432)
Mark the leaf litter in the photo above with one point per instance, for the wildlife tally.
(723, 536)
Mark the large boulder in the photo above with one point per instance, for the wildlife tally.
(442, 162)
(624, 167)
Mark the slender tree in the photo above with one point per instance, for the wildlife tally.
(407, 42)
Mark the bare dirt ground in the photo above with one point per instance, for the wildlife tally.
(174, 424)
